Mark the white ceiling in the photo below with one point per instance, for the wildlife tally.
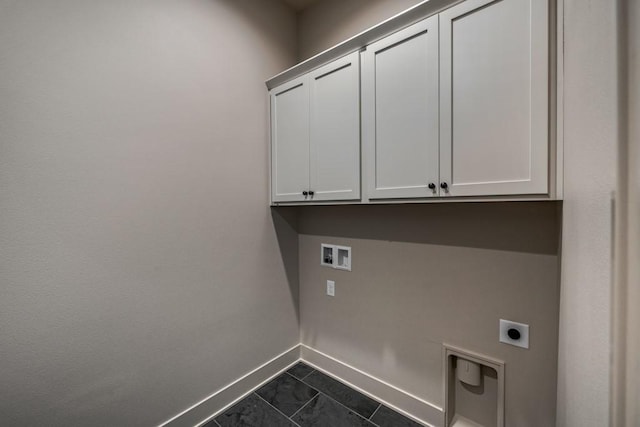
(300, 4)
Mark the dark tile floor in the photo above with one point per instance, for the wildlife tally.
(305, 397)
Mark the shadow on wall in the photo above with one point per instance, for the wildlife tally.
(329, 22)
(285, 223)
(255, 21)
(531, 227)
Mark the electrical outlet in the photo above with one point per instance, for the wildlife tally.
(331, 288)
(514, 333)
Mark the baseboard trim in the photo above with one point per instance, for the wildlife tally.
(392, 396)
(404, 402)
(228, 395)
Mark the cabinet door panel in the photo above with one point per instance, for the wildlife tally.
(335, 130)
(290, 141)
(400, 112)
(494, 95)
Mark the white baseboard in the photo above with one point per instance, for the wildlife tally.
(212, 405)
(397, 399)
(393, 397)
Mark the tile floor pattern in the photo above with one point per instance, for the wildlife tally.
(304, 397)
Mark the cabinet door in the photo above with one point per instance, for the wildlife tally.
(400, 112)
(494, 97)
(335, 130)
(290, 141)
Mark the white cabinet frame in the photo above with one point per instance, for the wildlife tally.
(315, 134)
(536, 179)
(398, 133)
(547, 96)
(335, 130)
(290, 141)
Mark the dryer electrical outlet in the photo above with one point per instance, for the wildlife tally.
(514, 333)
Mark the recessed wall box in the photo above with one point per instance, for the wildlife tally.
(335, 256)
(468, 404)
(343, 258)
(326, 255)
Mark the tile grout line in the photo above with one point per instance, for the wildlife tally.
(344, 406)
(353, 410)
(300, 379)
(318, 394)
(279, 411)
(312, 371)
(374, 412)
(312, 388)
(214, 421)
(349, 409)
(310, 400)
(239, 399)
(296, 378)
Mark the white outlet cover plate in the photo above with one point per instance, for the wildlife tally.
(505, 325)
(331, 288)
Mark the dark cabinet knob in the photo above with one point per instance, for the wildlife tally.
(304, 193)
(444, 185)
(310, 193)
(432, 186)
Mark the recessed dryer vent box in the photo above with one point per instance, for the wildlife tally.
(474, 389)
(338, 257)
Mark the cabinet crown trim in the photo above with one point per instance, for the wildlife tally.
(403, 19)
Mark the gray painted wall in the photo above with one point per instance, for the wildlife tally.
(626, 295)
(139, 265)
(424, 275)
(329, 22)
(590, 136)
(633, 251)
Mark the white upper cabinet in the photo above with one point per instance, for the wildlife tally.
(335, 130)
(494, 91)
(456, 105)
(315, 134)
(400, 113)
(290, 141)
